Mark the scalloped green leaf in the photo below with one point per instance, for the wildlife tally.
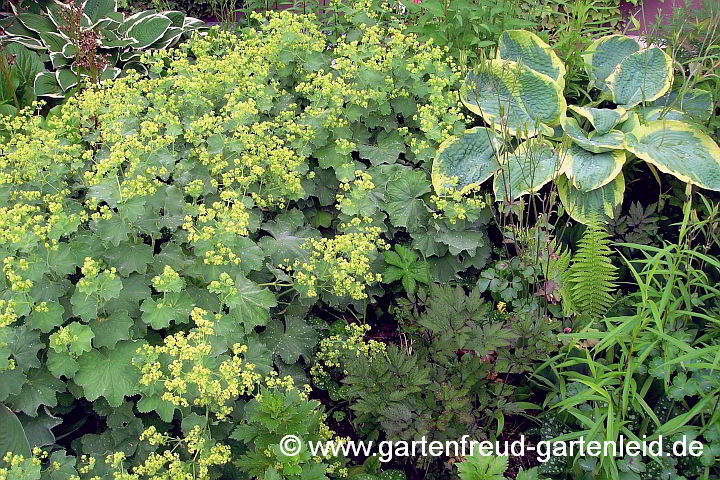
(588, 171)
(470, 157)
(596, 143)
(602, 119)
(109, 373)
(606, 53)
(678, 149)
(584, 207)
(527, 48)
(533, 164)
(509, 95)
(149, 30)
(641, 77)
(694, 104)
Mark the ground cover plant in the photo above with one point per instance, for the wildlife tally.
(290, 228)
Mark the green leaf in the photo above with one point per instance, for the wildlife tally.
(460, 241)
(389, 147)
(596, 143)
(41, 388)
(12, 435)
(602, 119)
(533, 164)
(604, 55)
(39, 429)
(404, 266)
(584, 207)
(129, 258)
(641, 77)
(404, 204)
(155, 403)
(471, 158)
(97, 9)
(288, 232)
(61, 364)
(148, 30)
(527, 48)
(173, 307)
(23, 344)
(678, 149)
(291, 340)
(46, 85)
(251, 303)
(109, 331)
(109, 373)
(511, 96)
(46, 321)
(81, 335)
(588, 171)
(36, 23)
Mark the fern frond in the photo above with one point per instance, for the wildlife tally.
(592, 274)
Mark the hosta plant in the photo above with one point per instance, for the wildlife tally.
(533, 136)
(91, 39)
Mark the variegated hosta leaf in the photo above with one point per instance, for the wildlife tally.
(471, 158)
(35, 22)
(509, 95)
(596, 143)
(588, 171)
(527, 48)
(641, 77)
(46, 85)
(533, 164)
(149, 30)
(694, 104)
(586, 207)
(606, 53)
(631, 123)
(678, 149)
(602, 119)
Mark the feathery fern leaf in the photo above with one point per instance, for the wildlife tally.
(592, 274)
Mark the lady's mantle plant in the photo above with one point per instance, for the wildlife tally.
(164, 238)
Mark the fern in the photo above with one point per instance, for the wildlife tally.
(592, 274)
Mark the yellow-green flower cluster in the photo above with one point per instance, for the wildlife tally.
(17, 467)
(457, 204)
(337, 349)
(341, 265)
(190, 367)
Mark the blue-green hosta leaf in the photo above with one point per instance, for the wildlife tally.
(109, 373)
(586, 207)
(588, 171)
(533, 164)
(148, 30)
(46, 85)
(596, 143)
(36, 23)
(471, 158)
(12, 434)
(511, 96)
(606, 53)
(695, 104)
(527, 48)
(602, 119)
(641, 77)
(679, 149)
(98, 9)
(291, 340)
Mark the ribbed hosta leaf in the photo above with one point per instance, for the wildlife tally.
(596, 143)
(511, 96)
(606, 53)
(470, 157)
(586, 207)
(679, 149)
(588, 171)
(46, 85)
(527, 48)
(533, 164)
(602, 119)
(641, 77)
(149, 30)
(695, 104)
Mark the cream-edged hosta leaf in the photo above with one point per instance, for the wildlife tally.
(694, 104)
(36, 23)
(596, 143)
(526, 170)
(46, 85)
(679, 149)
(509, 95)
(527, 48)
(606, 53)
(66, 79)
(588, 171)
(471, 158)
(149, 30)
(631, 123)
(55, 42)
(585, 207)
(602, 119)
(641, 77)
(28, 42)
